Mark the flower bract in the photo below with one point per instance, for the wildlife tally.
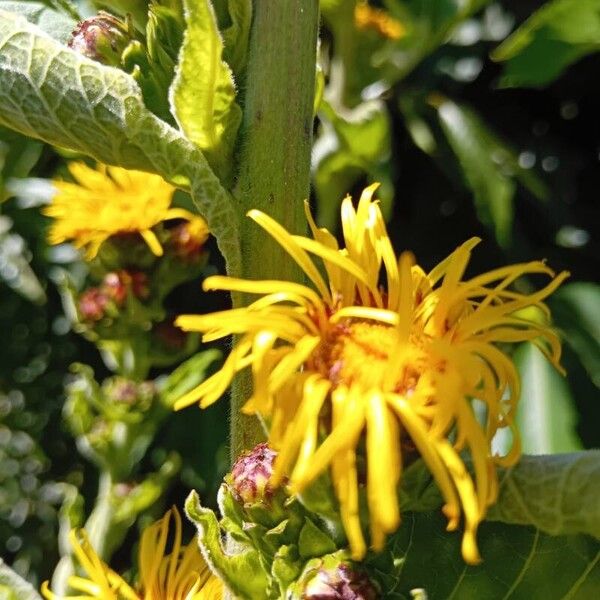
(181, 574)
(376, 359)
(107, 201)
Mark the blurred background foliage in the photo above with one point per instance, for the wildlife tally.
(477, 117)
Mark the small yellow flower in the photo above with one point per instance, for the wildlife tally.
(347, 361)
(106, 201)
(367, 17)
(180, 575)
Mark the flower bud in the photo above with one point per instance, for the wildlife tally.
(251, 473)
(116, 285)
(340, 583)
(92, 304)
(187, 239)
(102, 38)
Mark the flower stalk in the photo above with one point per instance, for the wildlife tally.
(274, 158)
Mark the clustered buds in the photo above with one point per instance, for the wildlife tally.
(114, 289)
(102, 38)
(251, 473)
(342, 582)
(92, 304)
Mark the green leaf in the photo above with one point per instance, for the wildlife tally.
(187, 375)
(558, 494)
(313, 541)
(242, 572)
(351, 145)
(53, 94)
(489, 166)
(235, 37)
(203, 93)
(560, 33)
(14, 587)
(519, 563)
(546, 414)
(575, 312)
(54, 23)
(493, 190)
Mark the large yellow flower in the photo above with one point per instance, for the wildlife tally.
(106, 201)
(383, 353)
(180, 575)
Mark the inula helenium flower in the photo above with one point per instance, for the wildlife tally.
(180, 575)
(107, 201)
(380, 352)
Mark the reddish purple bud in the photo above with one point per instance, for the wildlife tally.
(92, 304)
(102, 38)
(117, 284)
(251, 473)
(341, 583)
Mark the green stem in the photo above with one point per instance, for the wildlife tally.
(274, 161)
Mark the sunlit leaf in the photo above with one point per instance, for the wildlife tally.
(546, 415)
(51, 93)
(575, 311)
(203, 93)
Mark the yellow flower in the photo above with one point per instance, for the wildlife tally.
(180, 575)
(367, 17)
(110, 200)
(347, 360)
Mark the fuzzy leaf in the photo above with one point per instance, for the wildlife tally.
(557, 494)
(53, 94)
(558, 34)
(242, 572)
(54, 23)
(519, 563)
(203, 93)
(13, 587)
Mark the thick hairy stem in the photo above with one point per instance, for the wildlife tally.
(274, 161)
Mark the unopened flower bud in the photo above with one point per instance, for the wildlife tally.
(187, 239)
(340, 583)
(102, 38)
(116, 285)
(92, 304)
(251, 473)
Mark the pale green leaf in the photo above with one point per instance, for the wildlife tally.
(14, 587)
(54, 23)
(203, 93)
(53, 94)
(546, 414)
(558, 34)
